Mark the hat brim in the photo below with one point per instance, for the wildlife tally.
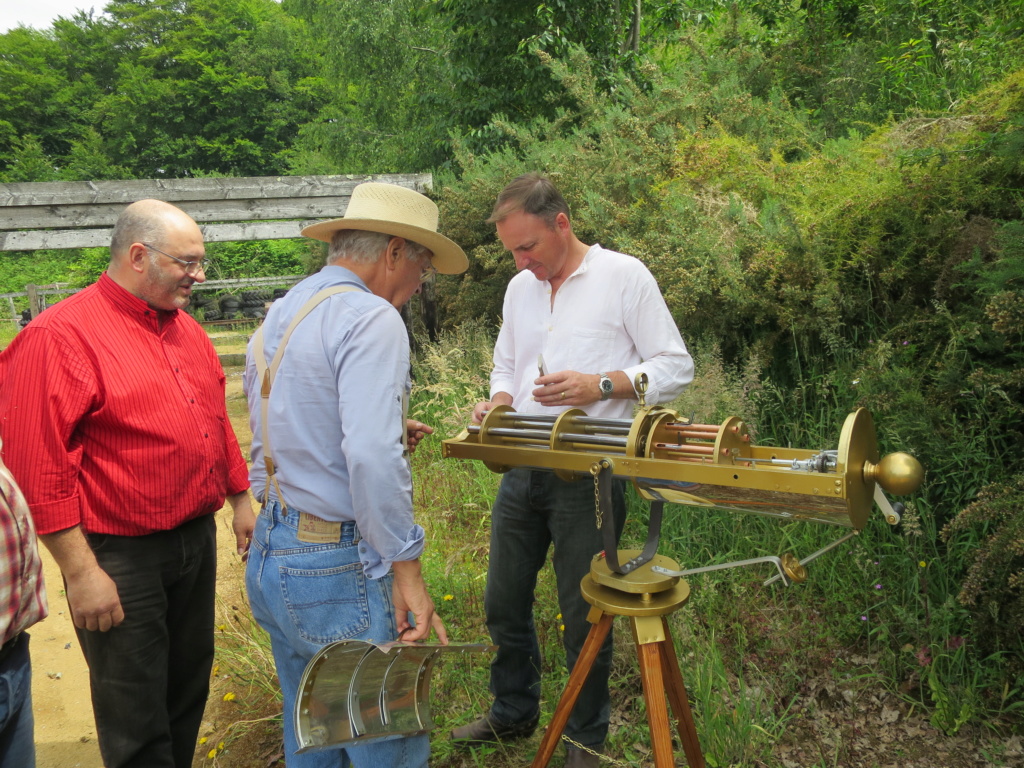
(448, 258)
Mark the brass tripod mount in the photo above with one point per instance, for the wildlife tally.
(647, 598)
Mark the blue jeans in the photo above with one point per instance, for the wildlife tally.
(307, 596)
(150, 675)
(533, 510)
(17, 744)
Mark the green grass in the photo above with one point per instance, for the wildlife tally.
(878, 614)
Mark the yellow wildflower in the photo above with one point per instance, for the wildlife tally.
(229, 696)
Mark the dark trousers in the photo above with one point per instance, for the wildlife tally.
(532, 511)
(150, 675)
(17, 746)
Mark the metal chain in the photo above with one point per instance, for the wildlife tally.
(595, 470)
(601, 757)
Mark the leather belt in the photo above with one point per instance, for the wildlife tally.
(8, 648)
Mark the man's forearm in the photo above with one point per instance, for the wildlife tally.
(71, 551)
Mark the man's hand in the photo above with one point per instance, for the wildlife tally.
(568, 388)
(243, 522)
(93, 599)
(480, 409)
(410, 595)
(416, 431)
(92, 594)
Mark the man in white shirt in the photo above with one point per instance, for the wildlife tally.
(596, 319)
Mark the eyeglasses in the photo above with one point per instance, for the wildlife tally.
(427, 272)
(191, 267)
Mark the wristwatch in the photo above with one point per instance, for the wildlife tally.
(606, 386)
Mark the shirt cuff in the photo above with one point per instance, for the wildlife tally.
(375, 567)
(53, 516)
(238, 479)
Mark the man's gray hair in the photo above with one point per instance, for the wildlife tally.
(136, 225)
(363, 247)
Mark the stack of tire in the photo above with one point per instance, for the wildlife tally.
(230, 307)
(206, 303)
(254, 303)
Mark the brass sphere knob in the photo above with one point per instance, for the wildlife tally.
(897, 473)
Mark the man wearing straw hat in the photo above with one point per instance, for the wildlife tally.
(335, 554)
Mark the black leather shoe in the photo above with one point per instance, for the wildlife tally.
(487, 731)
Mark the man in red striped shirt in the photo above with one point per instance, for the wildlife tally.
(113, 418)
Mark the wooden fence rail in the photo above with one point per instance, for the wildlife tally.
(81, 214)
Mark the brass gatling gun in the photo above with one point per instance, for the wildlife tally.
(670, 458)
(674, 459)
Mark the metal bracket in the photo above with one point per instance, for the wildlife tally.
(893, 512)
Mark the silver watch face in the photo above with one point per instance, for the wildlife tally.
(606, 385)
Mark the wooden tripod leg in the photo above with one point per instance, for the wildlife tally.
(651, 674)
(580, 671)
(677, 696)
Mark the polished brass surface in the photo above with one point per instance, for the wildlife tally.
(492, 419)
(794, 569)
(640, 581)
(562, 425)
(858, 446)
(620, 603)
(897, 473)
(670, 459)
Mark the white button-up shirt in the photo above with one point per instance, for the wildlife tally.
(608, 315)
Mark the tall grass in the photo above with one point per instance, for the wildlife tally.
(878, 612)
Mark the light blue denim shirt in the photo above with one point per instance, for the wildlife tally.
(337, 416)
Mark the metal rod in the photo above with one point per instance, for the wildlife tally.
(525, 424)
(693, 434)
(818, 554)
(523, 434)
(542, 418)
(707, 450)
(777, 562)
(572, 437)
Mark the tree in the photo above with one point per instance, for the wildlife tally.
(163, 88)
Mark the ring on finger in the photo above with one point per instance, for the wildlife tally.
(563, 394)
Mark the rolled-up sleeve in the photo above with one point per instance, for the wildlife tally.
(372, 371)
(39, 416)
(667, 363)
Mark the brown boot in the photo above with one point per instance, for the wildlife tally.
(578, 758)
(487, 731)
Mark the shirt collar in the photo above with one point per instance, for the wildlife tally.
(337, 272)
(588, 257)
(131, 304)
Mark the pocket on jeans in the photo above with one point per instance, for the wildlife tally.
(326, 604)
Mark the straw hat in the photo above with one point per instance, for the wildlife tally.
(399, 212)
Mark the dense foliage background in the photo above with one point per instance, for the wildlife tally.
(829, 193)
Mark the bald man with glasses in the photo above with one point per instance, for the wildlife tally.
(113, 418)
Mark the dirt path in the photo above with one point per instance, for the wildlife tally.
(65, 731)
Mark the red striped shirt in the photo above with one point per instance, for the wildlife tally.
(113, 416)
